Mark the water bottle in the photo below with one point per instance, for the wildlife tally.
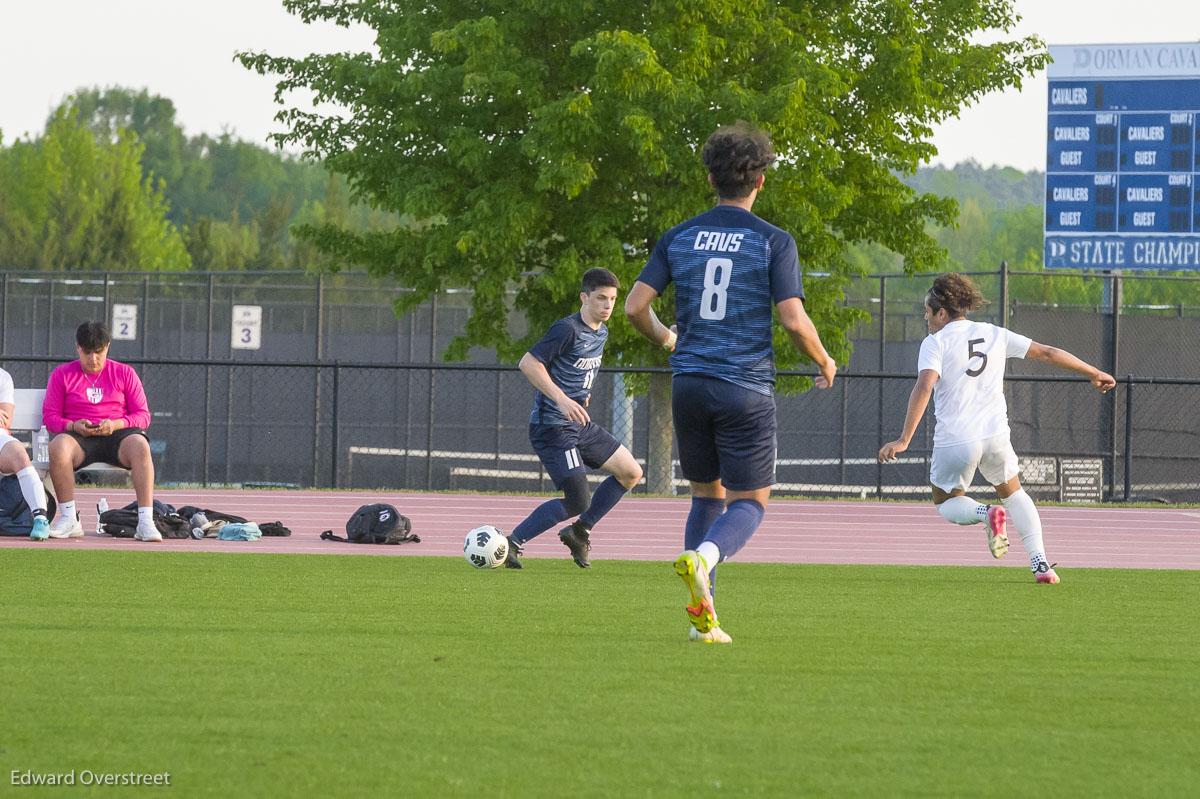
(41, 445)
(199, 524)
(101, 509)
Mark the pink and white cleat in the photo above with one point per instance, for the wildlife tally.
(997, 522)
(1045, 573)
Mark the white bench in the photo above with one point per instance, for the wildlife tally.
(27, 415)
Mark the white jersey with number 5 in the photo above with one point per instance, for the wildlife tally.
(968, 398)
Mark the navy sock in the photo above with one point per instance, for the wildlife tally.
(731, 532)
(705, 511)
(544, 517)
(607, 495)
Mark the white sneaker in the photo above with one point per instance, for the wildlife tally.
(146, 531)
(66, 528)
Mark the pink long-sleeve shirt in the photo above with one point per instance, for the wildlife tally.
(115, 393)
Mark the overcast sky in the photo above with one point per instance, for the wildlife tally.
(184, 50)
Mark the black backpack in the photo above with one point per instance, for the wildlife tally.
(376, 524)
(122, 522)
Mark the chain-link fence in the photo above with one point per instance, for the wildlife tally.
(465, 427)
(1132, 323)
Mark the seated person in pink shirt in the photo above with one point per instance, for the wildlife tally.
(99, 409)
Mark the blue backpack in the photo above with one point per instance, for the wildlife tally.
(15, 517)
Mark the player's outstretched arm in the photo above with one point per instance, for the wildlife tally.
(803, 333)
(1061, 358)
(535, 371)
(918, 400)
(641, 316)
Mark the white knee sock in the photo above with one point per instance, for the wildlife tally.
(1024, 515)
(710, 553)
(32, 489)
(963, 510)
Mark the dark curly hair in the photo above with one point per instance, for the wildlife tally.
(957, 293)
(736, 155)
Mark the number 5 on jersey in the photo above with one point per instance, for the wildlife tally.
(712, 301)
(971, 353)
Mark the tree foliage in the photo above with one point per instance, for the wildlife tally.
(537, 138)
(232, 202)
(70, 202)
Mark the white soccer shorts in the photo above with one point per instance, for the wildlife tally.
(954, 466)
(4, 439)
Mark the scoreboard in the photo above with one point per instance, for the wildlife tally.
(1123, 157)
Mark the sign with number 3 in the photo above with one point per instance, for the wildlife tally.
(247, 327)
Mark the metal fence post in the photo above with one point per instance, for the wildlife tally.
(207, 416)
(337, 369)
(1128, 435)
(145, 314)
(429, 434)
(229, 425)
(320, 315)
(499, 420)
(433, 327)
(408, 392)
(845, 411)
(882, 367)
(50, 321)
(1004, 294)
(107, 319)
(1115, 301)
(882, 320)
(4, 317)
(879, 427)
(209, 343)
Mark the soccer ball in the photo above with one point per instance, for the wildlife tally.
(485, 547)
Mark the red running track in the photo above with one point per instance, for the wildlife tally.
(644, 528)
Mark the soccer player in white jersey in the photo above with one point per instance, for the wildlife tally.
(961, 365)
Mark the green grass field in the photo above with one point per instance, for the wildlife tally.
(307, 675)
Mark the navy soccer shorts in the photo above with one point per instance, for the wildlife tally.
(725, 431)
(567, 449)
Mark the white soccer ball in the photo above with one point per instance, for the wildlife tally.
(485, 547)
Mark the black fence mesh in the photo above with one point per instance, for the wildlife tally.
(1134, 323)
(465, 427)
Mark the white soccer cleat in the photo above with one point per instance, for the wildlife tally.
(714, 636)
(66, 528)
(146, 531)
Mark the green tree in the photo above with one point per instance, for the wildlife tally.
(72, 202)
(538, 138)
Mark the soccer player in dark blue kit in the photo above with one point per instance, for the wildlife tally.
(562, 367)
(729, 267)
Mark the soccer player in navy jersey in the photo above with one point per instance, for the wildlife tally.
(729, 267)
(562, 366)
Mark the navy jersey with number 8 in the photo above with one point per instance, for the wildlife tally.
(728, 267)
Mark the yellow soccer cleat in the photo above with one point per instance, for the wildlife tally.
(701, 612)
